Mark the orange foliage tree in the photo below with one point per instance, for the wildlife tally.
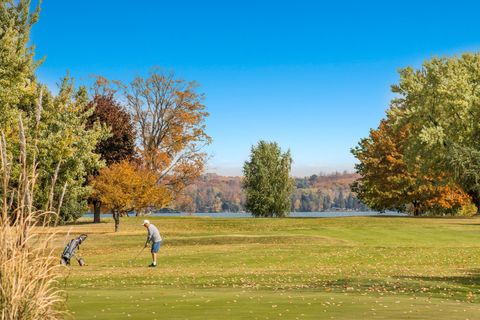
(387, 183)
(170, 121)
(124, 187)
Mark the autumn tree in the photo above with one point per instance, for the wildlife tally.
(123, 187)
(387, 183)
(169, 117)
(267, 181)
(120, 145)
(440, 101)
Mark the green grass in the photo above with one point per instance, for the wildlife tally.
(335, 268)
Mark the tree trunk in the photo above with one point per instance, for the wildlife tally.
(116, 217)
(416, 208)
(96, 211)
(475, 199)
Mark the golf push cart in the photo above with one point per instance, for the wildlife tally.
(69, 251)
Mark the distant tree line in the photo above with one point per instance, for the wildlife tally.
(322, 192)
(314, 200)
(212, 193)
(326, 192)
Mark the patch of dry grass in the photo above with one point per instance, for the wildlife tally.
(28, 274)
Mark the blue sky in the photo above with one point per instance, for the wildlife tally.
(314, 76)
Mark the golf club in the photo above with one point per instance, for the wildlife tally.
(137, 255)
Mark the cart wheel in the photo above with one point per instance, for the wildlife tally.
(81, 262)
(63, 262)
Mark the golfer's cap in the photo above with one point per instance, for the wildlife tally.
(146, 222)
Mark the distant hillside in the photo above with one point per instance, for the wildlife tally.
(329, 180)
(326, 192)
(323, 192)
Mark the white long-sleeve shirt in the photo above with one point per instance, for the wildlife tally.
(153, 234)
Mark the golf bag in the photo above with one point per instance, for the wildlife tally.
(69, 251)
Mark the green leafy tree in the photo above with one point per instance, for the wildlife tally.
(17, 67)
(267, 182)
(61, 147)
(18, 87)
(66, 151)
(440, 102)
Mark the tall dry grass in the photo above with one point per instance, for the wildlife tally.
(29, 271)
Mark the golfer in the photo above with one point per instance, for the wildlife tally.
(153, 237)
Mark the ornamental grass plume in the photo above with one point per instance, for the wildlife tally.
(29, 272)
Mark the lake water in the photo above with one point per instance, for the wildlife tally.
(292, 214)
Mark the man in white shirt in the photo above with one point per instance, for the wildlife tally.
(153, 237)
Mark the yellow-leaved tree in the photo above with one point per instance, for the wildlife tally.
(124, 187)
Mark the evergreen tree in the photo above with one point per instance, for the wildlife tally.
(305, 203)
(350, 202)
(327, 202)
(340, 200)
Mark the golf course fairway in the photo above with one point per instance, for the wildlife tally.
(292, 268)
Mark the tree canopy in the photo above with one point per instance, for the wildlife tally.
(120, 145)
(169, 116)
(387, 183)
(123, 187)
(267, 183)
(430, 136)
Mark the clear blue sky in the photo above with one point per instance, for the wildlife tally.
(314, 76)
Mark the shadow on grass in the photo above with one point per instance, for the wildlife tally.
(339, 217)
(81, 223)
(471, 278)
(427, 217)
